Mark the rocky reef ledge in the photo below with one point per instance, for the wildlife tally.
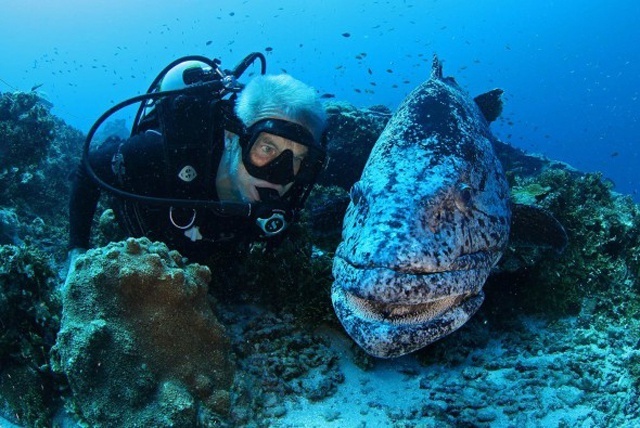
(139, 343)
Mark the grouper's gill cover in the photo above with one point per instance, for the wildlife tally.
(427, 221)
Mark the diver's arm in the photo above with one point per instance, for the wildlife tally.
(85, 192)
(82, 207)
(141, 154)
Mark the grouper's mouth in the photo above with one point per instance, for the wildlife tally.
(398, 297)
(393, 330)
(389, 313)
(396, 313)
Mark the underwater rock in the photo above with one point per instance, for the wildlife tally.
(37, 153)
(26, 128)
(9, 225)
(278, 360)
(29, 317)
(351, 133)
(139, 343)
(602, 256)
(108, 228)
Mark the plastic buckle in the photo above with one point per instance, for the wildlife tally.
(273, 224)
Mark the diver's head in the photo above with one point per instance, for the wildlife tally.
(285, 122)
(282, 97)
(283, 143)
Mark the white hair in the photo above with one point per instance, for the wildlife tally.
(281, 97)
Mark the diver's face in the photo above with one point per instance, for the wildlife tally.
(233, 181)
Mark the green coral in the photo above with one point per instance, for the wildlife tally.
(529, 194)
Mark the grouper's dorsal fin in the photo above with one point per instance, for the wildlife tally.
(535, 227)
(490, 104)
(436, 68)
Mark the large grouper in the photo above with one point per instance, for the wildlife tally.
(427, 221)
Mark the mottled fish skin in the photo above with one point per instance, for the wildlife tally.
(427, 221)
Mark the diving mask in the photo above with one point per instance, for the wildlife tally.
(279, 165)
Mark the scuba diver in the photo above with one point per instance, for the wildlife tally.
(210, 164)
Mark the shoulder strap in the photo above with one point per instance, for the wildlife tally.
(192, 144)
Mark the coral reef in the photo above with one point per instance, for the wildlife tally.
(537, 372)
(38, 152)
(139, 342)
(30, 318)
(351, 133)
(26, 128)
(9, 226)
(275, 304)
(294, 277)
(603, 252)
(323, 216)
(278, 359)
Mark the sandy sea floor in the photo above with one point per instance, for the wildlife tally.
(566, 373)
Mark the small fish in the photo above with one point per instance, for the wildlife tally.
(268, 49)
(36, 87)
(346, 34)
(327, 95)
(209, 42)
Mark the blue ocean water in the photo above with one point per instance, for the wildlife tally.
(570, 69)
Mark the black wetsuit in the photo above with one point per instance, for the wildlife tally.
(146, 164)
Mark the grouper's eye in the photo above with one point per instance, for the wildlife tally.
(464, 197)
(356, 193)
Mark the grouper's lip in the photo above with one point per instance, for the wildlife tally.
(381, 294)
(478, 259)
(393, 337)
(382, 285)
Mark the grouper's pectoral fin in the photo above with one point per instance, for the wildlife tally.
(532, 226)
(490, 104)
